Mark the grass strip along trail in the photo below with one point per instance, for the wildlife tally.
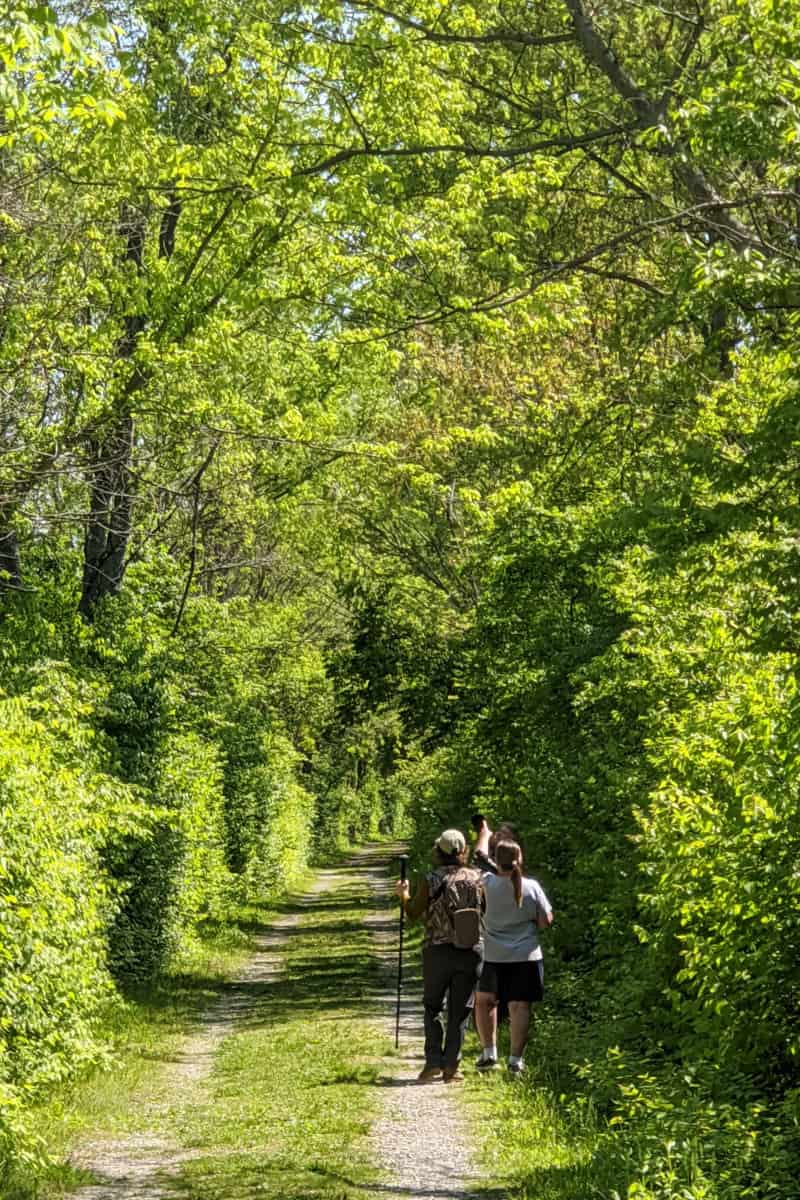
(289, 1101)
(268, 1098)
(290, 1086)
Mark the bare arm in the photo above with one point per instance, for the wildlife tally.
(544, 913)
(416, 907)
(482, 844)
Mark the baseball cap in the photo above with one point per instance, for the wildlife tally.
(452, 841)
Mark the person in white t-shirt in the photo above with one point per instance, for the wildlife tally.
(513, 970)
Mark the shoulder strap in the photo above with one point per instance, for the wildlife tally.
(434, 895)
(470, 876)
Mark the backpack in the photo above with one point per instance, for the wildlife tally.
(455, 908)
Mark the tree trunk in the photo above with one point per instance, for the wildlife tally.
(10, 568)
(111, 481)
(110, 515)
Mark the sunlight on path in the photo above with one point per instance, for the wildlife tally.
(142, 1166)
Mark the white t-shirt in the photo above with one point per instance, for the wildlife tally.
(511, 932)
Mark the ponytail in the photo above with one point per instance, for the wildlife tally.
(516, 880)
(508, 857)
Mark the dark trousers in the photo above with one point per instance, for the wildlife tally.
(452, 974)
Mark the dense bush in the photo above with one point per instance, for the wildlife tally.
(141, 801)
(269, 817)
(694, 1133)
(720, 846)
(176, 878)
(58, 810)
(624, 701)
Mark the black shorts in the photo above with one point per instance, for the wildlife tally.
(513, 981)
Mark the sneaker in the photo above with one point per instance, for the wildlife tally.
(452, 1075)
(486, 1062)
(516, 1068)
(429, 1075)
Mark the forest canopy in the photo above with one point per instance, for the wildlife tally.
(399, 417)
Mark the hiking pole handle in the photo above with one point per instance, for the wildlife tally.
(403, 876)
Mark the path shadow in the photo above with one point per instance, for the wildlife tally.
(251, 1178)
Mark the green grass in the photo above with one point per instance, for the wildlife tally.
(293, 1093)
(534, 1141)
(623, 1125)
(143, 1032)
(526, 1147)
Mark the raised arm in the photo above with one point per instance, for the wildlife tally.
(484, 833)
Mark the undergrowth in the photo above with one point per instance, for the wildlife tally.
(593, 1120)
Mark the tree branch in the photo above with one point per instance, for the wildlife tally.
(601, 55)
(509, 37)
(650, 113)
(198, 475)
(469, 151)
(624, 277)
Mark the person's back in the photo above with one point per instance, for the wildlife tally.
(513, 972)
(510, 930)
(453, 915)
(449, 899)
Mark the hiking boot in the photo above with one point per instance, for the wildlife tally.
(429, 1075)
(486, 1062)
(452, 1075)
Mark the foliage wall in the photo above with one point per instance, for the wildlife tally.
(398, 416)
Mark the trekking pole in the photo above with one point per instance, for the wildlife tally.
(403, 864)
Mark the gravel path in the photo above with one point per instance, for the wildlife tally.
(420, 1142)
(140, 1166)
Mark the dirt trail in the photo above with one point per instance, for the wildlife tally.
(420, 1141)
(138, 1166)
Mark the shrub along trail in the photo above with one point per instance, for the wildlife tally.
(292, 1088)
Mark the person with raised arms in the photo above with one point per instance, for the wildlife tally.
(484, 847)
(516, 909)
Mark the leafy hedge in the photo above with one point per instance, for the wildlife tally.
(126, 828)
(175, 878)
(58, 809)
(627, 700)
(269, 817)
